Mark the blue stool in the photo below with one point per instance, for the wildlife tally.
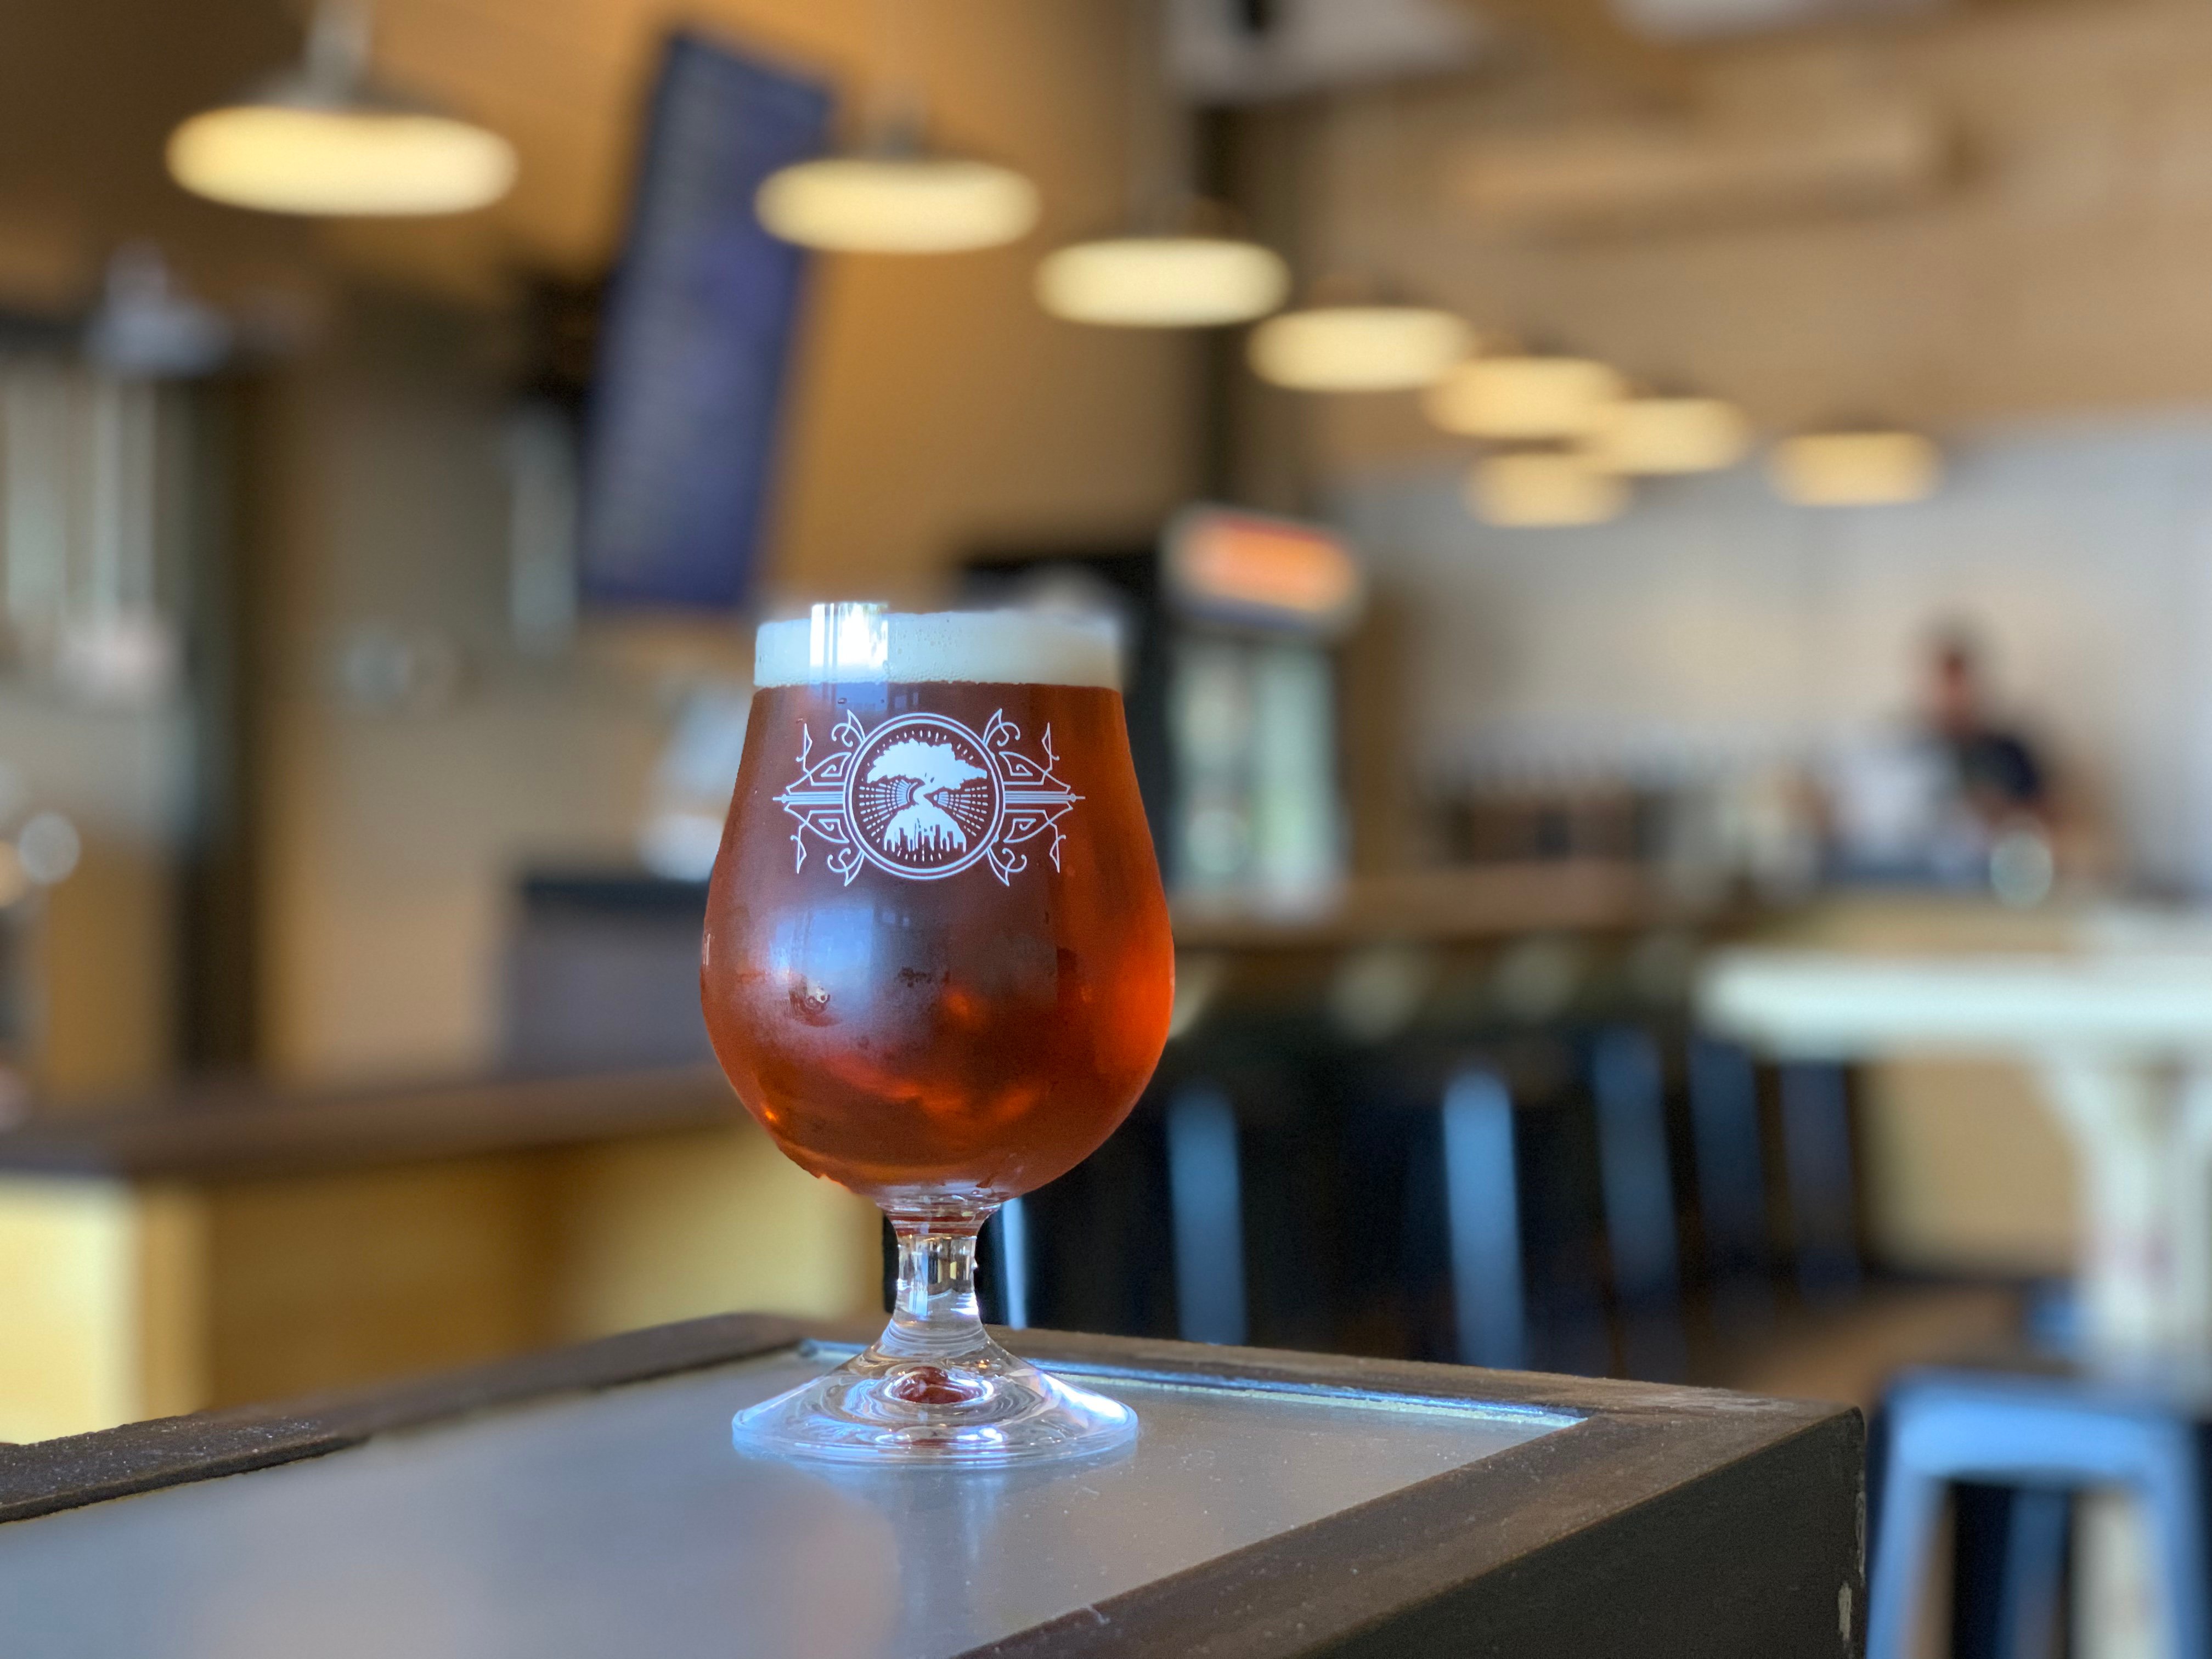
(1628, 1088)
(1482, 1221)
(1476, 1225)
(2040, 1434)
(1239, 1166)
(1482, 1180)
(1818, 1169)
(1730, 1162)
(1205, 1199)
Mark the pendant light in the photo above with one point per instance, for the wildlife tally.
(323, 139)
(1183, 264)
(1192, 273)
(1356, 333)
(897, 199)
(1868, 466)
(892, 194)
(1350, 340)
(1525, 398)
(1657, 436)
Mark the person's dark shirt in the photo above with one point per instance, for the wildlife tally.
(1997, 765)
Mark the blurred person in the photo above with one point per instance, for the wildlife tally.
(1958, 797)
(1995, 772)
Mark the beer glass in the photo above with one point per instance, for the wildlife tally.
(937, 968)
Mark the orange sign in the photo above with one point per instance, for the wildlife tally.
(1250, 567)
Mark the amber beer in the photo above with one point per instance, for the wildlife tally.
(937, 964)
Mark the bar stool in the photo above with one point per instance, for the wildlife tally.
(1092, 1251)
(1255, 1209)
(1484, 1205)
(1206, 1203)
(2012, 1548)
(2040, 1435)
(1730, 1161)
(1482, 1221)
(1819, 1170)
(1148, 1236)
(1628, 1088)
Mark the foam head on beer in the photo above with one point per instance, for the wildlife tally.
(842, 643)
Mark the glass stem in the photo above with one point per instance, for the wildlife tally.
(934, 1315)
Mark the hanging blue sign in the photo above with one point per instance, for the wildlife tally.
(681, 436)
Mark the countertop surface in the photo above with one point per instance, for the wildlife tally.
(587, 1501)
(624, 1523)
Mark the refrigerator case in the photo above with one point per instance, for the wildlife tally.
(1230, 627)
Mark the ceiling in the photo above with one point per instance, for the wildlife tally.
(88, 91)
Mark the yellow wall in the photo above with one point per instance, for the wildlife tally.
(123, 1300)
(103, 1288)
(1968, 1169)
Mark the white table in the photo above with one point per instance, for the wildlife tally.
(2119, 1032)
(2121, 1038)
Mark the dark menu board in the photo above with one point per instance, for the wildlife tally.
(681, 438)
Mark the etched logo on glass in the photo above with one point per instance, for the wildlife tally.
(923, 796)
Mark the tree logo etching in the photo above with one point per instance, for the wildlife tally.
(924, 796)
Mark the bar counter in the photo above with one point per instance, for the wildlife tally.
(216, 1245)
(243, 1129)
(588, 1502)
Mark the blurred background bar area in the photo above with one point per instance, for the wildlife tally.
(1662, 557)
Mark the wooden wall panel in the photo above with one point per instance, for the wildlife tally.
(2061, 270)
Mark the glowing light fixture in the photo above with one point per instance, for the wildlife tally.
(1651, 436)
(892, 193)
(1531, 487)
(1359, 347)
(1525, 399)
(1855, 469)
(893, 204)
(1167, 280)
(1177, 260)
(321, 139)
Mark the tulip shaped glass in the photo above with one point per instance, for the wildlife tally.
(937, 968)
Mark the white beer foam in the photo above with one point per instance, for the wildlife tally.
(994, 648)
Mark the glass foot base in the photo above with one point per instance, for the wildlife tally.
(985, 1409)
